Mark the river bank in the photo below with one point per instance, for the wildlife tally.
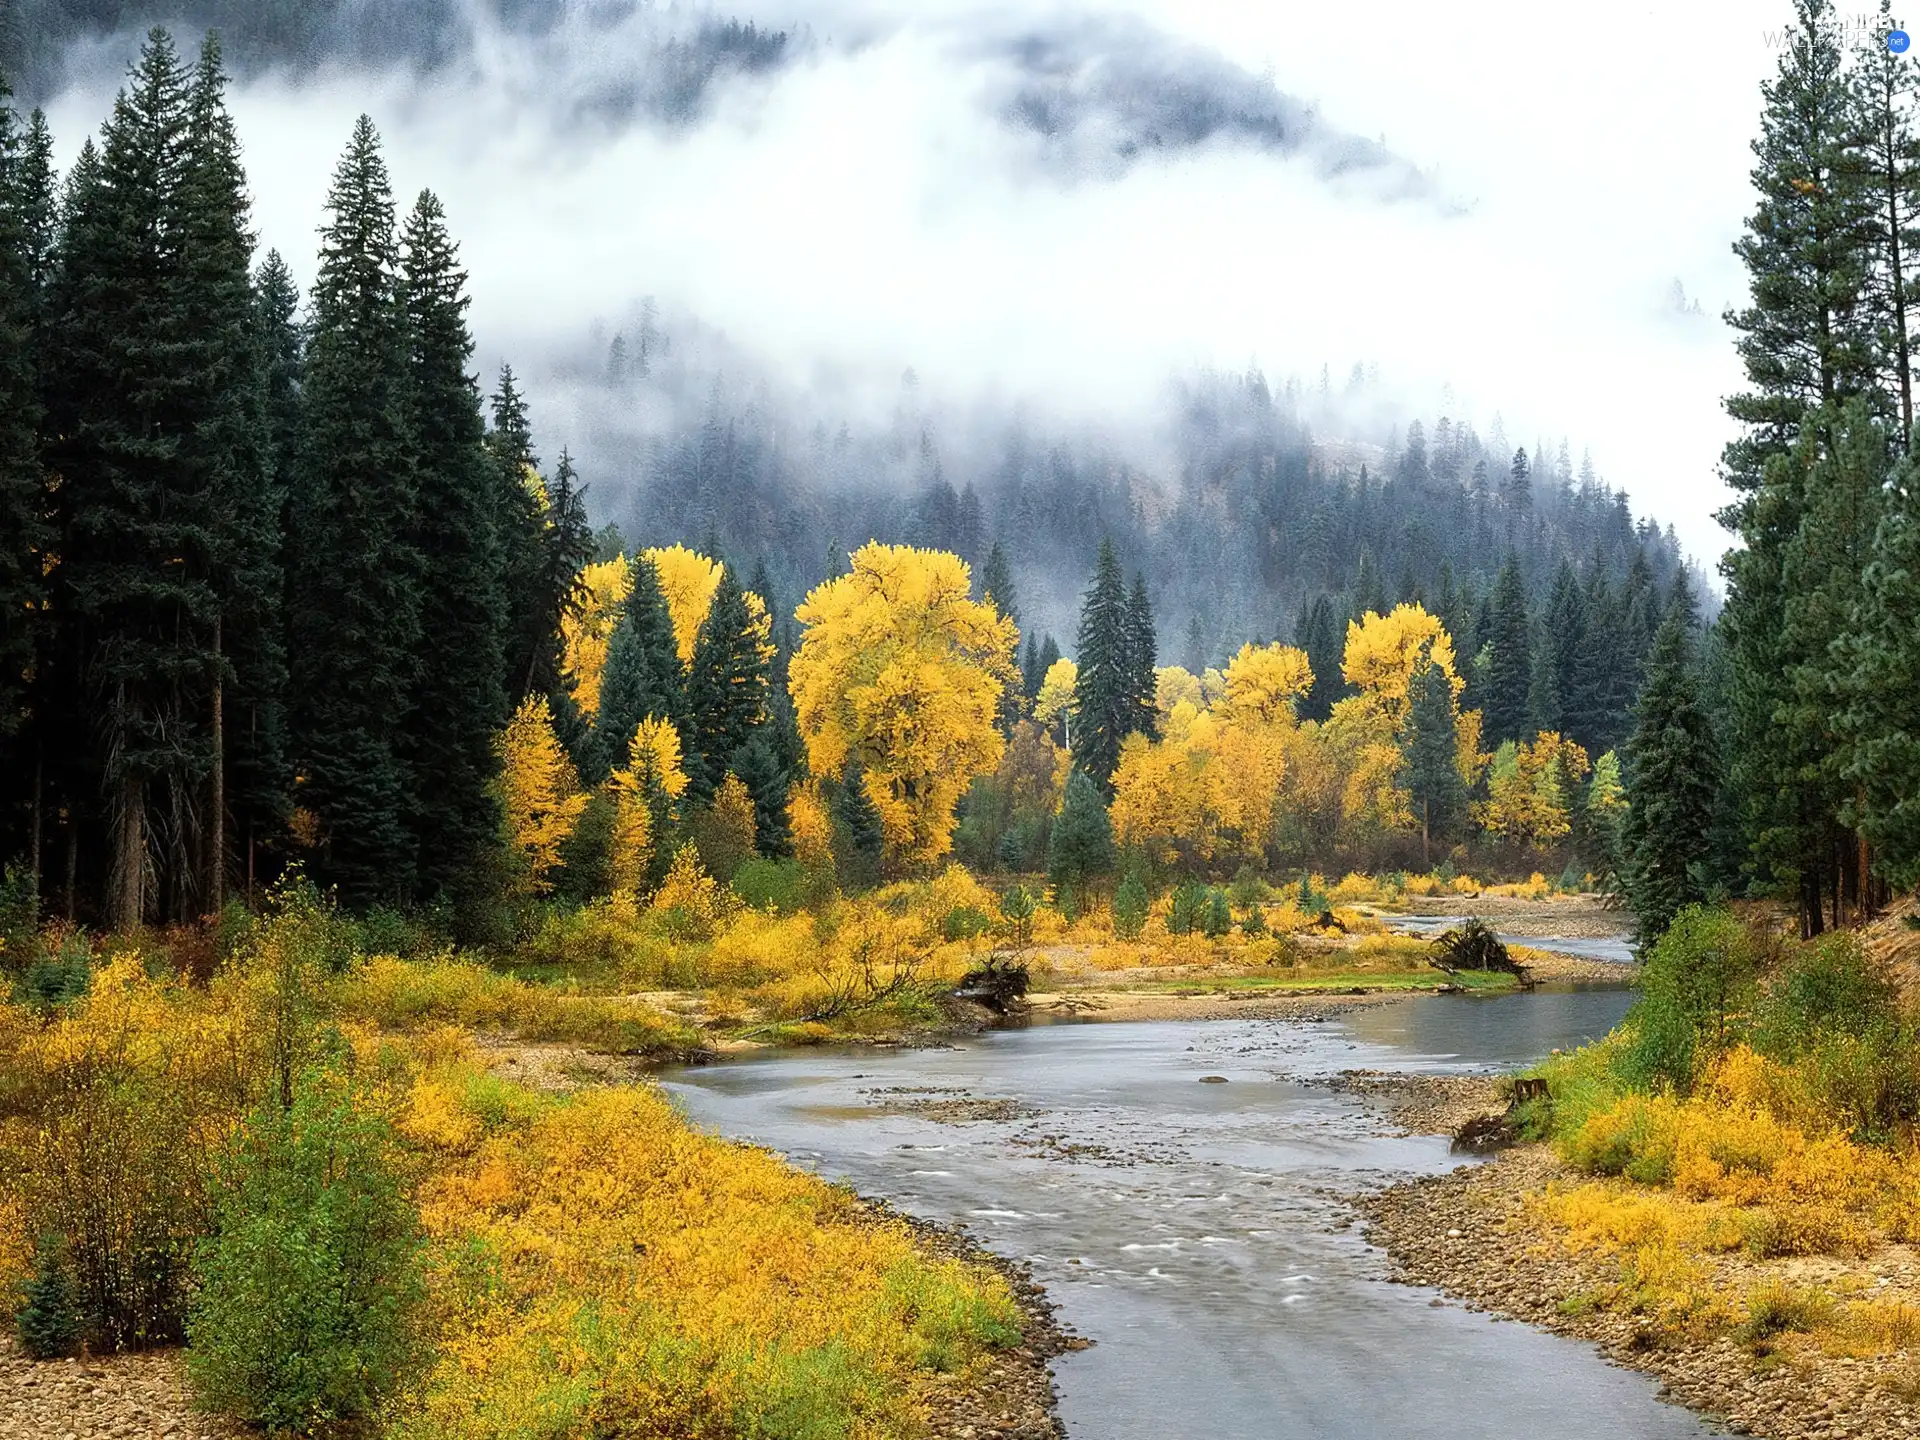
(1477, 1235)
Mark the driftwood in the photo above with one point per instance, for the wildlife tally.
(1472, 945)
(1485, 1134)
(998, 986)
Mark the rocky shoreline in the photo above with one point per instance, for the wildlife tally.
(1470, 1234)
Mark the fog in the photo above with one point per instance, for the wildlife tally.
(1061, 206)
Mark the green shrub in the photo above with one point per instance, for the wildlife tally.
(1255, 922)
(19, 920)
(1067, 903)
(1697, 989)
(1183, 916)
(965, 922)
(1130, 905)
(48, 1322)
(1831, 987)
(1216, 917)
(1248, 888)
(784, 886)
(303, 1314)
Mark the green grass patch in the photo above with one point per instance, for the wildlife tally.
(1330, 980)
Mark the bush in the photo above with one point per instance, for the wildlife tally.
(1248, 888)
(1130, 905)
(1256, 921)
(303, 1314)
(1216, 918)
(783, 886)
(48, 1322)
(1696, 984)
(1067, 903)
(1183, 914)
(964, 922)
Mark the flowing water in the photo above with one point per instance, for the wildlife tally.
(1192, 1229)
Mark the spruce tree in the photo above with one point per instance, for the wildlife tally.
(859, 824)
(643, 674)
(1142, 656)
(24, 537)
(768, 780)
(228, 454)
(1881, 725)
(353, 564)
(1103, 692)
(1081, 845)
(996, 583)
(726, 687)
(458, 700)
(136, 512)
(1430, 771)
(1672, 776)
(520, 522)
(1320, 634)
(1807, 343)
(1510, 659)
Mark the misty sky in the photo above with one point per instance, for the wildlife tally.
(1547, 175)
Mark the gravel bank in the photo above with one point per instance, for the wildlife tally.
(121, 1397)
(1469, 1234)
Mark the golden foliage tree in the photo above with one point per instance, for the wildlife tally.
(586, 630)
(540, 793)
(645, 792)
(1383, 651)
(1530, 790)
(1055, 700)
(724, 834)
(687, 581)
(899, 669)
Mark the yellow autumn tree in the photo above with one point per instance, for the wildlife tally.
(1055, 700)
(898, 668)
(687, 581)
(540, 793)
(1171, 685)
(1383, 651)
(724, 833)
(1530, 790)
(586, 630)
(1264, 683)
(644, 791)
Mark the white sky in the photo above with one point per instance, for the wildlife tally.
(866, 210)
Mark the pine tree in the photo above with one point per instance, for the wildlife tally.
(1510, 670)
(1431, 771)
(769, 782)
(356, 627)
(1881, 725)
(459, 691)
(520, 522)
(1318, 632)
(23, 533)
(1672, 775)
(1885, 165)
(996, 583)
(1563, 629)
(1142, 656)
(1103, 696)
(643, 675)
(726, 686)
(228, 453)
(1081, 846)
(137, 516)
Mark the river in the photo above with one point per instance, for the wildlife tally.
(1193, 1230)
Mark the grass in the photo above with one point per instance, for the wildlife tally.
(1410, 980)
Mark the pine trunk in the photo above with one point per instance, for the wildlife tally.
(126, 902)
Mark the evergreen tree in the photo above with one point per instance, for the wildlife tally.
(139, 533)
(520, 522)
(1881, 725)
(1318, 633)
(726, 687)
(859, 823)
(1672, 775)
(996, 583)
(768, 780)
(1081, 846)
(23, 533)
(1048, 658)
(1510, 656)
(1886, 167)
(1563, 630)
(228, 453)
(355, 630)
(1103, 694)
(643, 675)
(1142, 656)
(1431, 771)
(458, 701)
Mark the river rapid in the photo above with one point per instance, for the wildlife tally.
(1192, 1228)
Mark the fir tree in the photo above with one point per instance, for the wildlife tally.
(1672, 774)
(1431, 771)
(859, 823)
(1881, 725)
(1104, 700)
(996, 583)
(458, 699)
(1081, 846)
(726, 687)
(765, 774)
(356, 629)
(520, 522)
(1318, 632)
(1510, 660)
(643, 675)
(1141, 657)
(23, 533)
